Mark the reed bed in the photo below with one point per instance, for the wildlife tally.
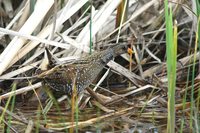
(154, 88)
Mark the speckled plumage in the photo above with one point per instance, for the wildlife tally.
(83, 72)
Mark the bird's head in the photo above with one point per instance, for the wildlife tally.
(109, 55)
(120, 49)
(114, 51)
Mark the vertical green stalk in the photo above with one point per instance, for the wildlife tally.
(76, 111)
(198, 13)
(198, 103)
(7, 103)
(171, 46)
(198, 31)
(193, 76)
(91, 27)
(184, 100)
(11, 108)
(38, 115)
(46, 109)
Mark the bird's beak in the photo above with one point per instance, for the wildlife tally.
(130, 51)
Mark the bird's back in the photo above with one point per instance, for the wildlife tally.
(81, 72)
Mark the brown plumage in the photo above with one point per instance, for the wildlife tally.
(83, 72)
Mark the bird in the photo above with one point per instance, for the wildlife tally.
(80, 73)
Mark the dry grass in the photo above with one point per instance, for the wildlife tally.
(124, 97)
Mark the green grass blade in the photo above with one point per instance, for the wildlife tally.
(7, 103)
(171, 46)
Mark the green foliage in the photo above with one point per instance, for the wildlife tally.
(171, 44)
(8, 103)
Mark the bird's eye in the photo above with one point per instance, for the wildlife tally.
(107, 58)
